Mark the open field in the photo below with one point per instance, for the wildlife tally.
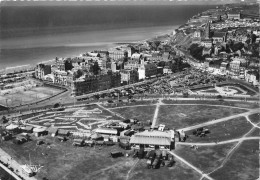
(206, 158)
(63, 161)
(243, 164)
(142, 113)
(232, 129)
(28, 96)
(175, 116)
(178, 171)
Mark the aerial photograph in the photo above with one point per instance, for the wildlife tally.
(129, 90)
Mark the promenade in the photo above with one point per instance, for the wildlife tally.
(7, 159)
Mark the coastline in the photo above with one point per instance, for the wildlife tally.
(45, 51)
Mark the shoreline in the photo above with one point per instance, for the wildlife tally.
(89, 46)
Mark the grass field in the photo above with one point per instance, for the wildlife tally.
(241, 104)
(206, 158)
(232, 129)
(178, 171)
(170, 115)
(142, 113)
(243, 164)
(255, 118)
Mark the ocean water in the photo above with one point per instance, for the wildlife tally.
(33, 34)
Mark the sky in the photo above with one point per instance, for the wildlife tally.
(117, 2)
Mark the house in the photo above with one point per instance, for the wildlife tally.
(129, 76)
(52, 131)
(12, 128)
(78, 142)
(150, 139)
(42, 70)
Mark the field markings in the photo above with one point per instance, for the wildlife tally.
(116, 114)
(132, 168)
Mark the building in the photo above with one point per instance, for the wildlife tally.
(150, 70)
(223, 68)
(219, 37)
(107, 131)
(235, 67)
(42, 70)
(60, 77)
(206, 43)
(206, 51)
(141, 72)
(91, 84)
(207, 31)
(197, 34)
(150, 139)
(129, 76)
(252, 77)
(234, 15)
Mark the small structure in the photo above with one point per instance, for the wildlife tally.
(27, 129)
(40, 131)
(63, 132)
(107, 131)
(12, 128)
(78, 142)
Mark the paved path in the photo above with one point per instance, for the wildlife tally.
(252, 111)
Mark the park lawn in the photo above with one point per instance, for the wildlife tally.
(255, 118)
(231, 129)
(234, 104)
(142, 113)
(205, 158)
(243, 164)
(178, 171)
(66, 162)
(180, 116)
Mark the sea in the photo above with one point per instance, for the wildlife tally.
(32, 34)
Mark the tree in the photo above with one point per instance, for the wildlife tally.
(68, 65)
(96, 68)
(196, 51)
(78, 74)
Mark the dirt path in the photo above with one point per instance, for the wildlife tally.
(220, 120)
(156, 113)
(190, 165)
